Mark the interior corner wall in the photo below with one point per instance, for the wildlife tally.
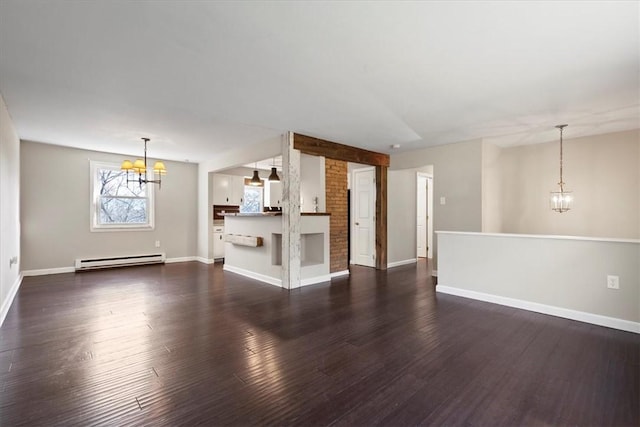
(457, 176)
(603, 171)
(337, 206)
(55, 201)
(9, 209)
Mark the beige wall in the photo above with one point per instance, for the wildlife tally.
(568, 276)
(55, 210)
(491, 188)
(457, 176)
(602, 170)
(9, 209)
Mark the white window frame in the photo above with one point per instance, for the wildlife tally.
(95, 198)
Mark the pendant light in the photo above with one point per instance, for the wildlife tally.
(560, 201)
(255, 179)
(274, 173)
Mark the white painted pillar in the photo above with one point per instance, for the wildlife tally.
(291, 250)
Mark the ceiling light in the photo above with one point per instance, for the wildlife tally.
(561, 200)
(255, 179)
(274, 174)
(140, 167)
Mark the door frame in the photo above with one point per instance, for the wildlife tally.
(354, 202)
(429, 201)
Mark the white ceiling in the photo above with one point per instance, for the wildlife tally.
(202, 77)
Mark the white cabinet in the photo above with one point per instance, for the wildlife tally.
(275, 194)
(237, 190)
(218, 242)
(228, 189)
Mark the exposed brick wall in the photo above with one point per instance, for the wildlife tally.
(336, 200)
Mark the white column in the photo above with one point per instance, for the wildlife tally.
(290, 213)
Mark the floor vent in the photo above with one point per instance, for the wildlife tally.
(121, 261)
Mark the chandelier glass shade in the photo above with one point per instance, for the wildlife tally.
(139, 168)
(561, 199)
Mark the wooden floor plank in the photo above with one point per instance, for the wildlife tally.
(188, 344)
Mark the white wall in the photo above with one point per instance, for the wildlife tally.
(312, 182)
(566, 277)
(9, 209)
(457, 176)
(603, 171)
(55, 184)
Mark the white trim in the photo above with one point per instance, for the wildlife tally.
(180, 259)
(272, 280)
(252, 275)
(6, 305)
(340, 273)
(434, 273)
(403, 262)
(542, 236)
(94, 226)
(45, 271)
(581, 316)
(314, 280)
(204, 260)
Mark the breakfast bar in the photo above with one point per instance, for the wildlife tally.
(253, 246)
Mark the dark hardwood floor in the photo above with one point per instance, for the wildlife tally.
(187, 344)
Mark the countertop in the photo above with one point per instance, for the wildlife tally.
(262, 214)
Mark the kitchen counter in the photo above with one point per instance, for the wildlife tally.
(267, 214)
(264, 262)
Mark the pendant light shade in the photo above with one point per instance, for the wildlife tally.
(274, 175)
(560, 201)
(255, 179)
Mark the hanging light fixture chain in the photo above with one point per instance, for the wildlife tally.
(561, 183)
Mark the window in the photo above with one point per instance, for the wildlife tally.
(116, 204)
(252, 201)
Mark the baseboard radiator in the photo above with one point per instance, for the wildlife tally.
(121, 261)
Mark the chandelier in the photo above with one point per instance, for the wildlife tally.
(560, 201)
(139, 167)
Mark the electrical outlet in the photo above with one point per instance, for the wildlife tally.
(613, 282)
(157, 243)
(443, 200)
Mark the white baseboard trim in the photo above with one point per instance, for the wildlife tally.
(581, 316)
(253, 275)
(44, 271)
(403, 262)
(180, 259)
(6, 305)
(204, 260)
(314, 280)
(434, 273)
(340, 273)
(272, 280)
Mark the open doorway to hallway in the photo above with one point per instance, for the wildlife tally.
(424, 216)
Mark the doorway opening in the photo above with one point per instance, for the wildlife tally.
(424, 215)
